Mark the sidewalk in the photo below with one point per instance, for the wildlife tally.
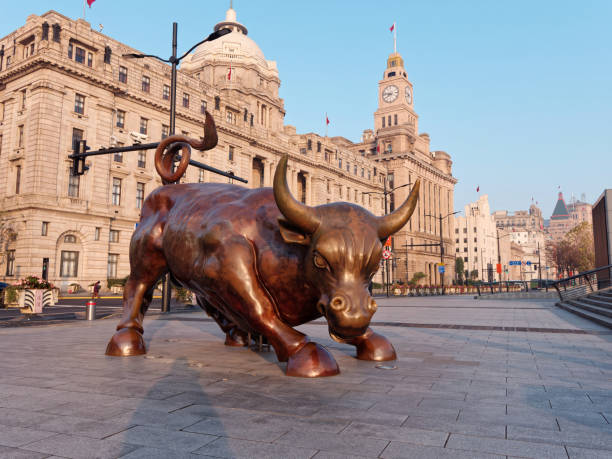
(463, 388)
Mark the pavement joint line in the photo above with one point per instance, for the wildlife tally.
(443, 326)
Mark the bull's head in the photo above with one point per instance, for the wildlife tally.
(344, 250)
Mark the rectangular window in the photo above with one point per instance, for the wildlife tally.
(475, 249)
(340, 163)
(74, 182)
(185, 100)
(201, 176)
(140, 191)
(309, 145)
(122, 74)
(20, 136)
(69, 264)
(77, 136)
(218, 104)
(465, 259)
(318, 147)
(203, 108)
(355, 170)
(116, 197)
(23, 99)
(144, 123)
(231, 153)
(79, 104)
(89, 60)
(70, 47)
(118, 157)
(475, 229)
(113, 261)
(457, 232)
(45, 229)
(475, 240)
(17, 179)
(165, 131)
(229, 116)
(395, 119)
(113, 236)
(142, 159)
(146, 83)
(166, 92)
(97, 234)
(465, 240)
(10, 262)
(383, 118)
(79, 55)
(120, 119)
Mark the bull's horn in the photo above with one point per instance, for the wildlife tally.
(210, 134)
(391, 223)
(298, 214)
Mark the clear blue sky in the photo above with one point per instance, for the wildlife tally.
(518, 93)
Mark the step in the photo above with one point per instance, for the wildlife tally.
(601, 320)
(596, 301)
(606, 294)
(589, 307)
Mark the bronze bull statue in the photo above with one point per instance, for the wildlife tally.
(261, 262)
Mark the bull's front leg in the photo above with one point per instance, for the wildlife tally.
(372, 346)
(234, 274)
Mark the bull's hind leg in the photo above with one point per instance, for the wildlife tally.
(372, 346)
(146, 267)
(239, 286)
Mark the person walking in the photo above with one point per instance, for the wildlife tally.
(96, 291)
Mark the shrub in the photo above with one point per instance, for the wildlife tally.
(120, 282)
(11, 295)
(182, 294)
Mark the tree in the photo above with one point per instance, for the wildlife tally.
(474, 274)
(575, 252)
(459, 269)
(417, 277)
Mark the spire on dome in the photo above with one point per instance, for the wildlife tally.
(231, 22)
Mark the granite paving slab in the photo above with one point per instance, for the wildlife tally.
(463, 387)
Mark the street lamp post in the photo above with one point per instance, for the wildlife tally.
(174, 60)
(441, 244)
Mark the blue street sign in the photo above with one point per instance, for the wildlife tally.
(441, 269)
(528, 263)
(515, 262)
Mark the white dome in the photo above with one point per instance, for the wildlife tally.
(235, 46)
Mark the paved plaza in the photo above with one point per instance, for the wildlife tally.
(474, 379)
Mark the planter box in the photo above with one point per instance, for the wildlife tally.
(32, 301)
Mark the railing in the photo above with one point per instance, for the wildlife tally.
(508, 286)
(584, 283)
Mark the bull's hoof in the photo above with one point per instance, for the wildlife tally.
(312, 361)
(237, 338)
(126, 342)
(375, 347)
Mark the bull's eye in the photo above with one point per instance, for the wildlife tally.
(320, 262)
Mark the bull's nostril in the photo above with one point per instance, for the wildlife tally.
(338, 303)
(373, 306)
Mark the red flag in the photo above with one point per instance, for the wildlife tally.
(229, 74)
(326, 119)
(477, 188)
(378, 148)
(89, 2)
(392, 27)
(388, 243)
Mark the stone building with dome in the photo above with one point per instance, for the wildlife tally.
(61, 81)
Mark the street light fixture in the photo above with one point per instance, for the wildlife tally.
(174, 60)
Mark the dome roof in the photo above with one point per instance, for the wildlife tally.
(235, 46)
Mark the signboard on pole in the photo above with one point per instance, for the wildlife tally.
(441, 269)
(499, 268)
(386, 254)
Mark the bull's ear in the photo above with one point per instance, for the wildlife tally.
(292, 234)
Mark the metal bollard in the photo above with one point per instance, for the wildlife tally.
(90, 310)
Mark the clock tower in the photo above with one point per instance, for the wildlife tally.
(395, 121)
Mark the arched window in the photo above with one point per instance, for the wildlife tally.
(70, 239)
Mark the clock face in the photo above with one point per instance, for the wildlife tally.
(390, 93)
(408, 95)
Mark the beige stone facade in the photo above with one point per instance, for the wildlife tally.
(61, 81)
(476, 240)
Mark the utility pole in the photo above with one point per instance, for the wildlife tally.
(499, 259)
(442, 257)
(166, 287)
(539, 267)
(387, 260)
